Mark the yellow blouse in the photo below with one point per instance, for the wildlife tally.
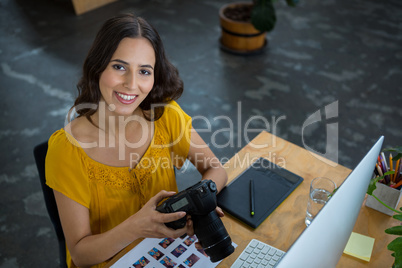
(112, 194)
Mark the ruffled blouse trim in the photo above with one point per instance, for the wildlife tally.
(123, 177)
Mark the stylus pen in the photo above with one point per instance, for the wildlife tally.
(252, 197)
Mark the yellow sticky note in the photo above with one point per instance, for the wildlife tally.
(360, 246)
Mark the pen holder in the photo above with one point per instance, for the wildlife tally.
(386, 194)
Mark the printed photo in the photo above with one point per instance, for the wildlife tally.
(142, 262)
(190, 240)
(155, 253)
(190, 261)
(167, 262)
(178, 251)
(166, 242)
(181, 266)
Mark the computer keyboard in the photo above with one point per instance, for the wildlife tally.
(258, 254)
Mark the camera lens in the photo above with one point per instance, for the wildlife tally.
(213, 236)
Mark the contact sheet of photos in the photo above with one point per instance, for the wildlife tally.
(166, 252)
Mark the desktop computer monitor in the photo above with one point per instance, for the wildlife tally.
(322, 243)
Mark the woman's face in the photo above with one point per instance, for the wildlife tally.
(129, 76)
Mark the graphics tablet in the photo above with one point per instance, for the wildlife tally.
(272, 184)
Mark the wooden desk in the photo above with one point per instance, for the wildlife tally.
(286, 223)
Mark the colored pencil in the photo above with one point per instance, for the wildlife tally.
(385, 168)
(396, 174)
(399, 171)
(391, 167)
(397, 185)
(385, 161)
(379, 170)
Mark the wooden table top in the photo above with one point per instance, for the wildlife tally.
(286, 222)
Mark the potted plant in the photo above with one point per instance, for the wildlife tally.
(396, 244)
(245, 24)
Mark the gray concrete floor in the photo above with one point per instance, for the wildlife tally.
(324, 52)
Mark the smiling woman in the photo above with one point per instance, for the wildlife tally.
(167, 85)
(112, 164)
(129, 77)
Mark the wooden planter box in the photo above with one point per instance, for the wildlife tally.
(240, 37)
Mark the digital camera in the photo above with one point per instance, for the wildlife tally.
(199, 201)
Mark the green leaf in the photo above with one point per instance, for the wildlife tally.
(372, 186)
(292, 3)
(397, 150)
(388, 173)
(396, 230)
(263, 16)
(334, 191)
(397, 156)
(398, 217)
(396, 245)
(398, 259)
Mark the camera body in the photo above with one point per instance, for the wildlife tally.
(199, 201)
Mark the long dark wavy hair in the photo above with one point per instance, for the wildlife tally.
(167, 83)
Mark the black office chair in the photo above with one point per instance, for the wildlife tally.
(40, 152)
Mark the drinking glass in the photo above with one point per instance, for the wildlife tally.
(321, 189)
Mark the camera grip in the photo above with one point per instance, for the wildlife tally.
(178, 224)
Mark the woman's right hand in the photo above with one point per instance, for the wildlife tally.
(148, 222)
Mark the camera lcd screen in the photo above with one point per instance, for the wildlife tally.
(179, 204)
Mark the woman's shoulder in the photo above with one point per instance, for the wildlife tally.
(60, 138)
(173, 111)
(61, 147)
(72, 136)
(173, 105)
(174, 123)
(82, 130)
